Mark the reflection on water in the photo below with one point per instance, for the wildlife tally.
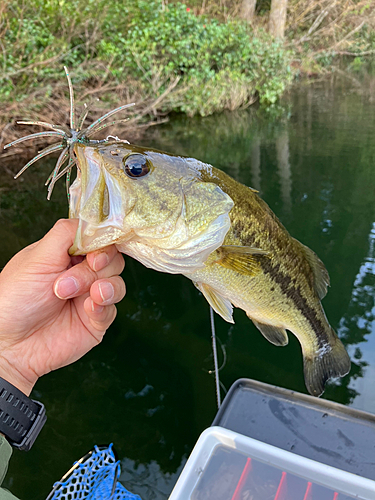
(283, 168)
(148, 480)
(360, 318)
(255, 164)
(146, 388)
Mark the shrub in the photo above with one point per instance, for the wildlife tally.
(147, 45)
(214, 60)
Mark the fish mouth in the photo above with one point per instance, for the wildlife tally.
(95, 199)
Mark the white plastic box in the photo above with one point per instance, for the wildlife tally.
(225, 465)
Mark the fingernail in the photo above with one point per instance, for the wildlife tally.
(101, 260)
(106, 291)
(66, 288)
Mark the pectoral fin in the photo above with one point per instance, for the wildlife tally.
(243, 260)
(273, 334)
(219, 304)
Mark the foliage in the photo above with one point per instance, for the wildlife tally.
(149, 49)
(323, 29)
(320, 31)
(221, 65)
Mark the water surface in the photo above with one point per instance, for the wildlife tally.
(146, 388)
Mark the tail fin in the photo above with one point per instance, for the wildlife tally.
(331, 360)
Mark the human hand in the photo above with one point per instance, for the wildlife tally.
(53, 307)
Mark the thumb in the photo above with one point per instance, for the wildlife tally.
(55, 244)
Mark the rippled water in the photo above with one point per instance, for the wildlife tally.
(146, 388)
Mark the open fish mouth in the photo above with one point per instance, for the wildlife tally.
(95, 199)
(100, 222)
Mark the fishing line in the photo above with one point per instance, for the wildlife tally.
(224, 353)
(216, 365)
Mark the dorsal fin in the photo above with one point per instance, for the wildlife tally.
(321, 276)
(240, 259)
(275, 335)
(219, 304)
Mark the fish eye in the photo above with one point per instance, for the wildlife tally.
(136, 166)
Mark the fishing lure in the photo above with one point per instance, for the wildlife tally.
(68, 137)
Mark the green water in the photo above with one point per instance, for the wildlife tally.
(146, 388)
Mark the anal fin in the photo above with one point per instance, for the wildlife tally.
(219, 304)
(273, 334)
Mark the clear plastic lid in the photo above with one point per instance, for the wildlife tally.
(225, 465)
(231, 475)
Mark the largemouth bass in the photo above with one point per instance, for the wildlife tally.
(179, 215)
(182, 216)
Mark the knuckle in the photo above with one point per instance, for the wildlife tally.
(63, 225)
(91, 275)
(84, 274)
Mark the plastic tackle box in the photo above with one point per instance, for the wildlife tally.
(225, 465)
(315, 428)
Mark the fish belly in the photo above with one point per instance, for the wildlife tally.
(273, 312)
(258, 296)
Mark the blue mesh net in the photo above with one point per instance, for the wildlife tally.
(94, 477)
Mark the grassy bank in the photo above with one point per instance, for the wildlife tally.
(166, 56)
(163, 57)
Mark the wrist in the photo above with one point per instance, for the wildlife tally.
(21, 418)
(15, 377)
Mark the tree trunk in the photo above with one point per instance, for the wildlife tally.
(278, 18)
(248, 9)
